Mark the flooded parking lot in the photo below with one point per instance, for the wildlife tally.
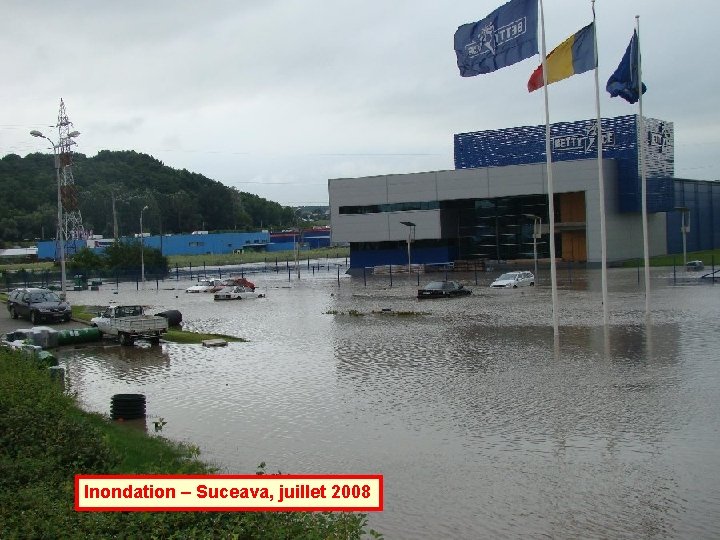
(482, 425)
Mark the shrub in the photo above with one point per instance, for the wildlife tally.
(45, 439)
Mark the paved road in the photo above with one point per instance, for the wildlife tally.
(8, 324)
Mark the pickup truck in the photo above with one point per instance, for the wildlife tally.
(129, 323)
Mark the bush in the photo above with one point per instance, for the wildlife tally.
(45, 439)
(120, 257)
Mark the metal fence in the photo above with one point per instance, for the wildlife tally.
(80, 279)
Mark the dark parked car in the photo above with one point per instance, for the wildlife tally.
(38, 305)
(440, 289)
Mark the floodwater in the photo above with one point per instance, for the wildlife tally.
(482, 425)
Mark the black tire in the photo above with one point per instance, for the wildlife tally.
(514, 286)
(127, 406)
(66, 318)
(532, 283)
(173, 316)
(126, 339)
(155, 340)
(34, 318)
(13, 313)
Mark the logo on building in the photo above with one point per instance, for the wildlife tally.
(582, 142)
(660, 138)
(489, 39)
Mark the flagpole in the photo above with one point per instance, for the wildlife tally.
(641, 144)
(548, 159)
(601, 185)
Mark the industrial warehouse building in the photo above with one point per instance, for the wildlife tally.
(203, 242)
(487, 207)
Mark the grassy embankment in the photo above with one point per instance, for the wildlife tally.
(176, 335)
(184, 261)
(669, 260)
(45, 439)
(213, 260)
(240, 258)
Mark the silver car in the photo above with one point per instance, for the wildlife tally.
(513, 280)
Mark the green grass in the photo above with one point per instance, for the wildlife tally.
(176, 335)
(213, 260)
(182, 336)
(252, 257)
(45, 439)
(45, 265)
(81, 313)
(669, 260)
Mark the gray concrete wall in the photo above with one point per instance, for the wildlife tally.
(624, 231)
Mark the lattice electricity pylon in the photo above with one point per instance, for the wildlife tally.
(72, 218)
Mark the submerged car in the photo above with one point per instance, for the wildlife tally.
(238, 282)
(237, 292)
(206, 286)
(513, 280)
(694, 266)
(443, 289)
(38, 305)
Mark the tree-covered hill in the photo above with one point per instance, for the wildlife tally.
(178, 200)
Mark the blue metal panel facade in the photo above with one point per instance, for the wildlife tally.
(48, 249)
(578, 140)
(702, 201)
(203, 244)
(398, 256)
(177, 244)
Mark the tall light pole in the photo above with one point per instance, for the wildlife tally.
(537, 233)
(142, 249)
(60, 226)
(411, 229)
(684, 229)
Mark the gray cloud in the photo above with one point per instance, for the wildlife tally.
(299, 91)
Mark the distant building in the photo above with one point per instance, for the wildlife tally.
(316, 237)
(197, 243)
(486, 208)
(202, 242)
(19, 253)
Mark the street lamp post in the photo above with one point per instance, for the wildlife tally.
(60, 227)
(684, 229)
(537, 233)
(411, 229)
(142, 248)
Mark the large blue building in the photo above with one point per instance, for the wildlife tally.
(203, 243)
(489, 205)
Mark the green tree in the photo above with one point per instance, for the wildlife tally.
(124, 258)
(179, 200)
(86, 260)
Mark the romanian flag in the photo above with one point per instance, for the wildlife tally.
(574, 55)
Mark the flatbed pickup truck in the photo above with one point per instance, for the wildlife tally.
(129, 323)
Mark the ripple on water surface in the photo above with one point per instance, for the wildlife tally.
(480, 424)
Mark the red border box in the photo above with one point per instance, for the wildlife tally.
(275, 508)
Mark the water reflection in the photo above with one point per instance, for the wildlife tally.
(480, 425)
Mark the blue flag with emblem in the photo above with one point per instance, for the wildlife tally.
(625, 82)
(506, 36)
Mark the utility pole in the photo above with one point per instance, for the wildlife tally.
(72, 218)
(115, 225)
(68, 213)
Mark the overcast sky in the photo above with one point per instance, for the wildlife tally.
(276, 96)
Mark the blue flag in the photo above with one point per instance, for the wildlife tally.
(625, 82)
(506, 36)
